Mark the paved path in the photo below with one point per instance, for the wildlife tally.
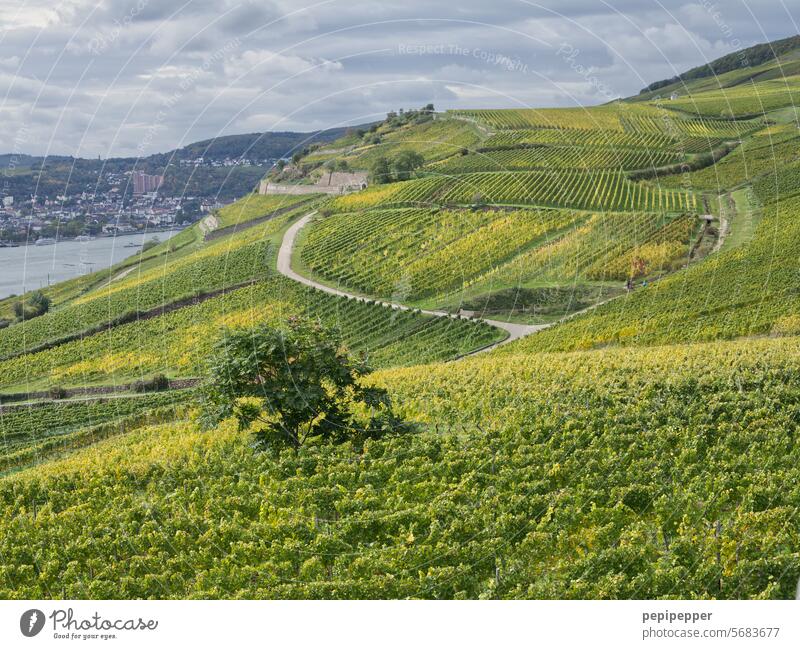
(515, 331)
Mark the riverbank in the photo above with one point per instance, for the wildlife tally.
(29, 267)
(79, 239)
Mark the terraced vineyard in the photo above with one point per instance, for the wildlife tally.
(537, 471)
(191, 274)
(609, 190)
(412, 253)
(177, 342)
(643, 446)
(754, 286)
(743, 100)
(32, 432)
(651, 141)
(555, 157)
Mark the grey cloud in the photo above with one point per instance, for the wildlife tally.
(202, 72)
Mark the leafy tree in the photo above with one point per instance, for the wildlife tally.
(292, 385)
(380, 172)
(406, 163)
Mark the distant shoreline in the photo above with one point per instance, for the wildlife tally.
(14, 244)
(30, 267)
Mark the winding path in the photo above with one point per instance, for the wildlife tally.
(515, 331)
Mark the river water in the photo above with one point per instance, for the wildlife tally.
(27, 268)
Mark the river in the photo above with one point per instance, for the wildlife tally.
(30, 267)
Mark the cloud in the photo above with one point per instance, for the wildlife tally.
(89, 77)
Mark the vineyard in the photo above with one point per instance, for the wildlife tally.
(755, 158)
(254, 206)
(568, 476)
(191, 273)
(783, 184)
(743, 100)
(641, 445)
(417, 253)
(607, 189)
(579, 138)
(433, 141)
(35, 431)
(605, 247)
(604, 117)
(649, 126)
(420, 252)
(177, 342)
(753, 286)
(680, 128)
(555, 157)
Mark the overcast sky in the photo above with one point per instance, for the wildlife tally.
(130, 77)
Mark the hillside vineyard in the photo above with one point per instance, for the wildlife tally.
(587, 320)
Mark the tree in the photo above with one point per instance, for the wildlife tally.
(293, 384)
(406, 163)
(380, 172)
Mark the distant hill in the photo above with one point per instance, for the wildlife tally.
(759, 62)
(56, 175)
(254, 146)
